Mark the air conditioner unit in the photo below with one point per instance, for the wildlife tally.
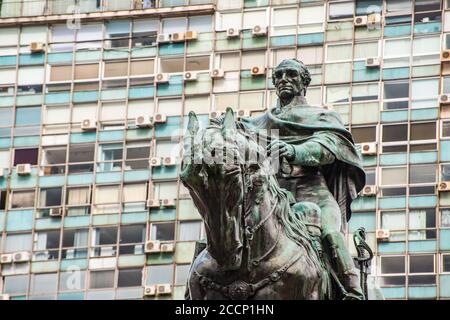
(383, 234)
(444, 99)
(369, 191)
(177, 37)
(259, 31)
(56, 212)
(143, 122)
(163, 38)
(373, 21)
(37, 47)
(23, 169)
(217, 74)
(360, 21)
(4, 296)
(190, 76)
(214, 114)
(6, 258)
(368, 149)
(167, 247)
(155, 162)
(170, 161)
(23, 256)
(163, 289)
(232, 32)
(152, 246)
(191, 35)
(444, 186)
(149, 291)
(138, 4)
(243, 114)
(258, 70)
(153, 203)
(162, 78)
(445, 55)
(168, 202)
(159, 118)
(373, 62)
(89, 125)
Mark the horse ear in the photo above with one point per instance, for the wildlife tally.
(229, 125)
(192, 126)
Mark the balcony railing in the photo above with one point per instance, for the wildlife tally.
(36, 8)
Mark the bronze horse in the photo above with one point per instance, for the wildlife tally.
(258, 246)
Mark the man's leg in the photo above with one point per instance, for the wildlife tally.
(341, 258)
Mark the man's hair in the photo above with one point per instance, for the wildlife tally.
(300, 66)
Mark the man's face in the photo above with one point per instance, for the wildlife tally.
(288, 82)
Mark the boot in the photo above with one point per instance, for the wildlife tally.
(344, 267)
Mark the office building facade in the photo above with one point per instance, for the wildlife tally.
(93, 101)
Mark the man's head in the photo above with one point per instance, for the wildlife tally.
(291, 78)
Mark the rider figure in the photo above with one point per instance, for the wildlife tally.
(319, 162)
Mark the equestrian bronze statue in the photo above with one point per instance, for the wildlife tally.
(274, 192)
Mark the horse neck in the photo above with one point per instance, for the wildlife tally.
(270, 235)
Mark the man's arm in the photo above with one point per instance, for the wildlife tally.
(311, 154)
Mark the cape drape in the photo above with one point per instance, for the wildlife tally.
(345, 177)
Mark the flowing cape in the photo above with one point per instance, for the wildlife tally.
(345, 177)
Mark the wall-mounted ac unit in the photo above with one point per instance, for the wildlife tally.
(258, 70)
(444, 99)
(153, 203)
(162, 289)
(373, 62)
(168, 203)
(217, 74)
(214, 114)
(37, 47)
(373, 21)
(152, 246)
(177, 37)
(23, 169)
(22, 256)
(445, 55)
(155, 162)
(190, 76)
(143, 121)
(56, 212)
(89, 125)
(159, 118)
(167, 247)
(169, 161)
(382, 234)
(232, 32)
(258, 31)
(243, 114)
(191, 35)
(368, 149)
(360, 21)
(444, 186)
(163, 38)
(369, 191)
(161, 78)
(6, 258)
(149, 291)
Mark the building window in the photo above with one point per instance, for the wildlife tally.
(189, 230)
(159, 274)
(398, 92)
(446, 263)
(421, 270)
(104, 241)
(18, 242)
(395, 221)
(422, 173)
(75, 242)
(26, 156)
(130, 278)
(162, 231)
(181, 274)
(132, 239)
(422, 224)
(101, 279)
(47, 245)
(392, 270)
(50, 197)
(22, 199)
(45, 283)
(72, 280)
(445, 218)
(341, 10)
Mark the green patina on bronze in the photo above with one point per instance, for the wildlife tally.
(274, 235)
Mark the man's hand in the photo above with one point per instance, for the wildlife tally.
(285, 150)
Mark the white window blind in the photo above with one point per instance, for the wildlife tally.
(134, 192)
